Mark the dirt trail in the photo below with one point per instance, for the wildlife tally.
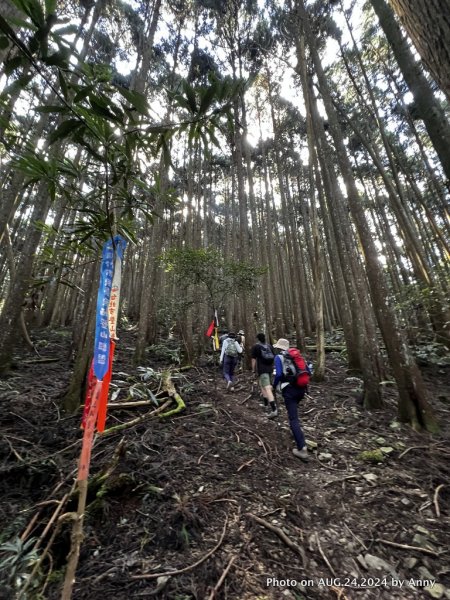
(212, 504)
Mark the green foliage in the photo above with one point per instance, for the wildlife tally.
(140, 391)
(53, 171)
(147, 374)
(207, 269)
(165, 353)
(16, 560)
(206, 106)
(107, 121)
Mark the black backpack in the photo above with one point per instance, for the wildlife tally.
(266, 354)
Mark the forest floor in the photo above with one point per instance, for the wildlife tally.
(211, 503)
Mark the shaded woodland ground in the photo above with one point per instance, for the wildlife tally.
(215, 495)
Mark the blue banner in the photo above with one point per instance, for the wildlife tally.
(101, 345)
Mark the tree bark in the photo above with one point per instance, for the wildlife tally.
(427, 105)
(427, 23)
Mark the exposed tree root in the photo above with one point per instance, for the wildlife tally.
(283, 537)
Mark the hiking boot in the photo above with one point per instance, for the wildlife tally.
(228, 385)
(272, 414)
(301, 454)
(231, 389)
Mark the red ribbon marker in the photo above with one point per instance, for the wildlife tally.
(103, 402)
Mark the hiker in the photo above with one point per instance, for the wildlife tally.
(229, 359)
(241, 340)
(292, 377)
(262, 365)
(222, 338)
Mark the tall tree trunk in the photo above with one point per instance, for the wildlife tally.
(84, 344)
(427, 23)
(427, 105)
(13, 305)
(413, 403)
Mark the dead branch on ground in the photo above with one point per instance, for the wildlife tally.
(407, 547)
(138, 420)
(435, 499)
(190, 567)
(222, 578)
(283, 537)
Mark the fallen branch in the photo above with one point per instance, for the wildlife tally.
(169, 387)
(190, 567)
(137, 420)
(412, 448)
(406, 547)
(204, 454)
(323, 555)
(16, 454)
(222, 578)
(246, 399)
(246, 464)
(356, 537)
(129, 404)
(435, 499)
(37, 565)
(283, 537)
(53, 518)
(40, 505)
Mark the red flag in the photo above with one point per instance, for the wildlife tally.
(88, 436)
(90, 384)
(210, 329)
(103, 401)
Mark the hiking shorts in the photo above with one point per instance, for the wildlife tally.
(264, 379)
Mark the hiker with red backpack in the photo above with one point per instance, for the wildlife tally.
(292, 375)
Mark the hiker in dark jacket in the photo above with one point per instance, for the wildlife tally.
(229, 359)
(291, 396)
(263, 367)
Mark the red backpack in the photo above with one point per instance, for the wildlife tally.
(295, 369)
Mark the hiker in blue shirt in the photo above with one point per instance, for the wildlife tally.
(229, 359)
(292, 394)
